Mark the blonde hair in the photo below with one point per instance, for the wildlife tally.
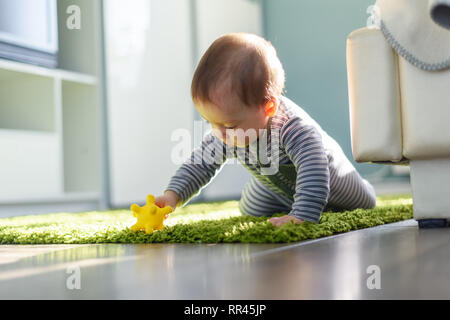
(245, 64)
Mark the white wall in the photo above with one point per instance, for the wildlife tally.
(149, 66)
(151, 50)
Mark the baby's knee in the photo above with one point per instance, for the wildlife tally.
(371, 202)
(245, 210)
(371, 196)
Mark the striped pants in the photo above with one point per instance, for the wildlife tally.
(347, 192)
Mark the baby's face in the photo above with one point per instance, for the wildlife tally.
(234, 123)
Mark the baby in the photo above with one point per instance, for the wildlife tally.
(238, 88)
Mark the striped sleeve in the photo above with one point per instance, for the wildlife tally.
(303, 145)
(199, 169)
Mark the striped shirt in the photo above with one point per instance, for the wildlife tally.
(300, 142)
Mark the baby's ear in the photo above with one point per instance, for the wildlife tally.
(270, 107)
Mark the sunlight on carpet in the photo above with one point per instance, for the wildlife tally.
(213, 222)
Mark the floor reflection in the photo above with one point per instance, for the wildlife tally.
(413, 264)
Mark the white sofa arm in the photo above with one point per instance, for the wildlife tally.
(375, 118)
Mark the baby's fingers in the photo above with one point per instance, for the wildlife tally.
(160, 202)
(275, 221)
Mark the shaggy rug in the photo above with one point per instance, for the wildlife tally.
(213, 222)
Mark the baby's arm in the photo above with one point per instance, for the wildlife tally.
(303, 144)
(198, 170)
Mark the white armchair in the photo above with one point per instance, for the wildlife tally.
(400, 115)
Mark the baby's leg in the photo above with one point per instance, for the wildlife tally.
(350, 191)
(258, 200)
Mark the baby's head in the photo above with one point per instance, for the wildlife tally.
(237, 85)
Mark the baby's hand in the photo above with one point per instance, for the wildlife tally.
(279, 221)
(169, 198)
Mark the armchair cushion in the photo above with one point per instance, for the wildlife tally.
(425, 109)
(375, 119)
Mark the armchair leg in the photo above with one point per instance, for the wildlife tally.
(430, 185)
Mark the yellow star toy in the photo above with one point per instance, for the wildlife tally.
(149, 217)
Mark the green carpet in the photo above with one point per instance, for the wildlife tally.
(196, 223)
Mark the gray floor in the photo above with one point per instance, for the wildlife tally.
(413, 264)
